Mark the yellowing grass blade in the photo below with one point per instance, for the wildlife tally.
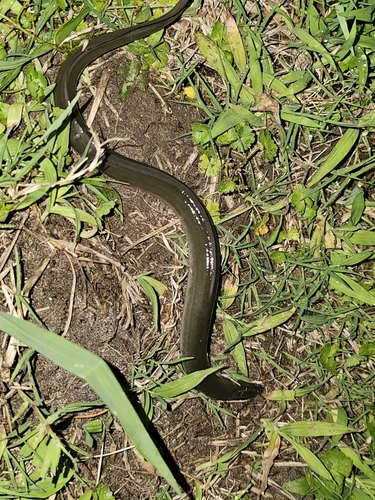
(267, 323)
(235, 43)
(98, 375)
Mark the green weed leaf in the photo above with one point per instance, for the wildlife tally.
(327, 357)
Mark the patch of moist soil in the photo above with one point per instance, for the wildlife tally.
(112, 318)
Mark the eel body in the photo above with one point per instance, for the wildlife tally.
(204, 254)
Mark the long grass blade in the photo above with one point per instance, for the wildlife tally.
(98, 375)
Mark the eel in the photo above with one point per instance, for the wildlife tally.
(204, 254)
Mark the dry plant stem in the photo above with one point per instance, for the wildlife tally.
(151, 235)
(7, 360)
(100, 464)
(71, 299)
(100, 92)
(72, 248)
(164, 105)
(31, 282)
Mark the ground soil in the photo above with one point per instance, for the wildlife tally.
(114, 320)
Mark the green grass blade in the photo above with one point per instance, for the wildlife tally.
(303, 119)
(309, 457)
(339, 152)
(66, 29)
(345, 285)
(363, 237)
(315, 429)
(256, 70)
(98, 375)
(315, 46)
(184, 384)
(238, 352)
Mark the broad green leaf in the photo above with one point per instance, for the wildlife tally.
(33, 197)
(327, 357)
(267, 323)
(314, 429)
(315, 21)
(14, 115)
(227, 120)
(353, 260)
(299, 486)
(365, 14)
(216, 57)
(359, 462)
(363, 237)
(49, 170)
(339, 465)
(367, 349)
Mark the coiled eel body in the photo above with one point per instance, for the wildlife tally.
(204, 255)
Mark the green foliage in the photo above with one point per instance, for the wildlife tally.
(301, 201)
(328, 354)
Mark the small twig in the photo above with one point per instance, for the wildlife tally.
(73, 248)
(71, 300)
(35, 276)
(151, 235)
(113, 452)
(164, 105)
(100, 464)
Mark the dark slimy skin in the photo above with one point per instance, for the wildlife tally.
(204, 254)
